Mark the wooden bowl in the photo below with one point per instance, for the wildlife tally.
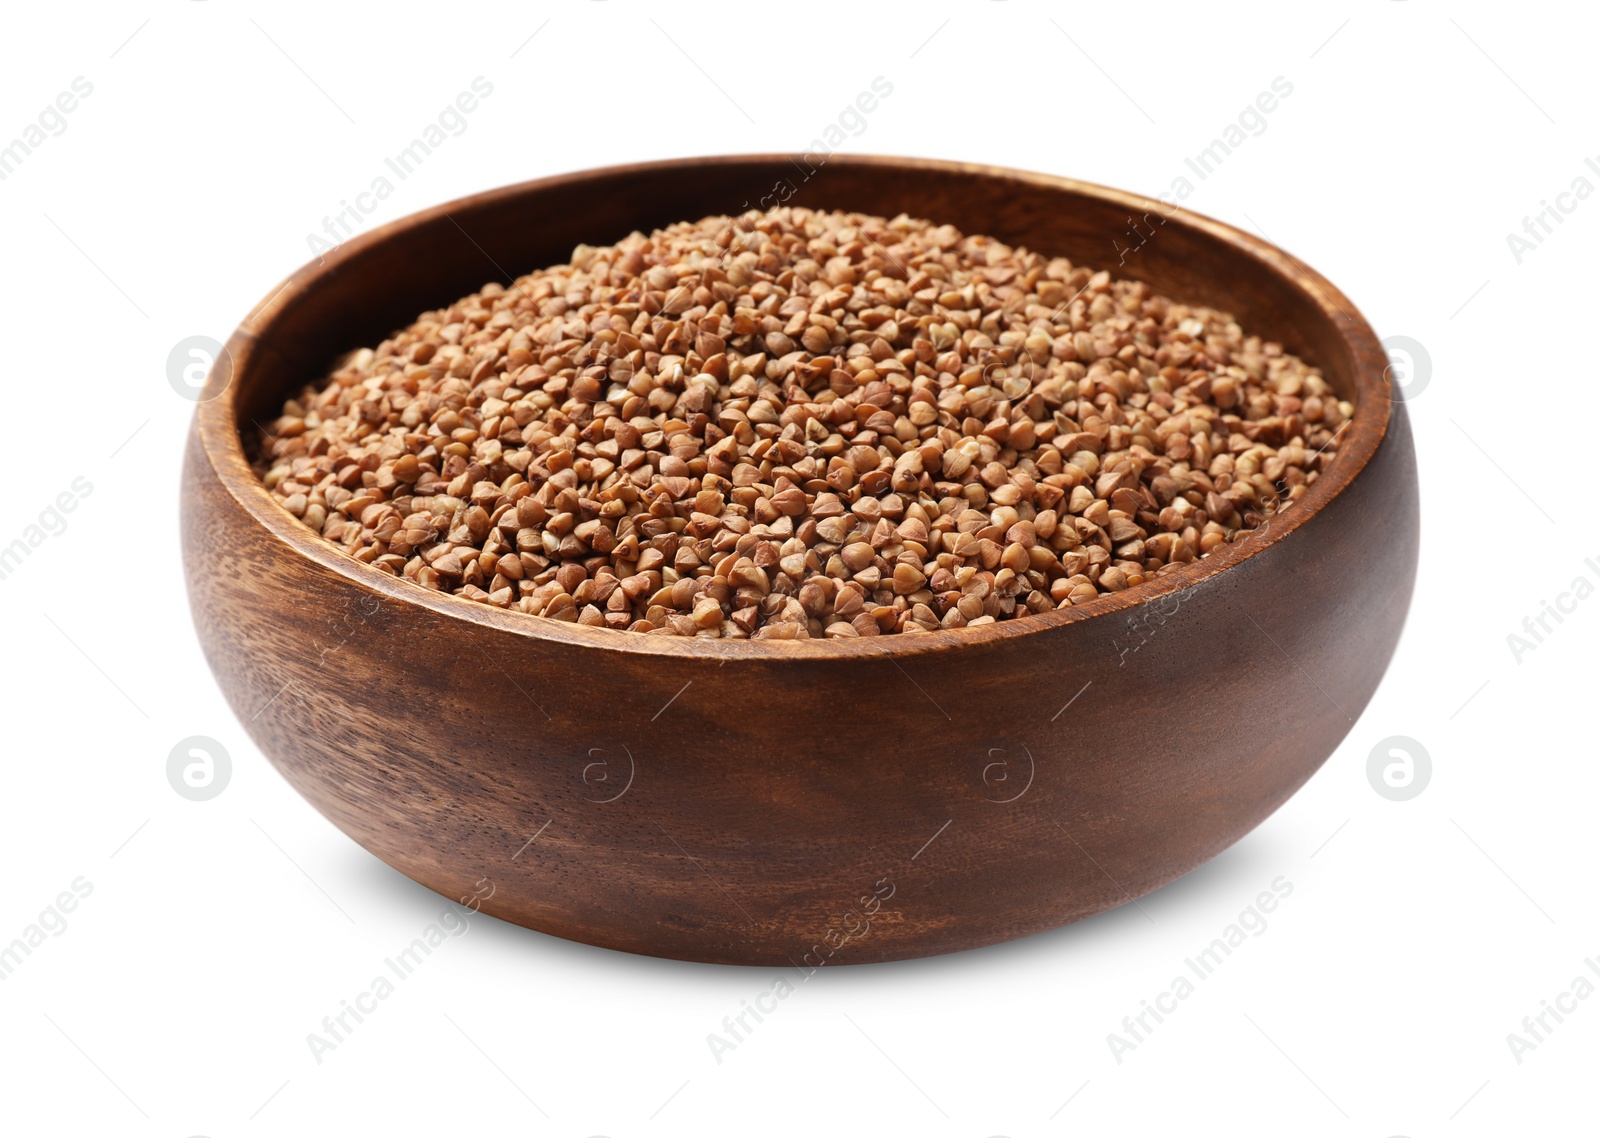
(771, 802)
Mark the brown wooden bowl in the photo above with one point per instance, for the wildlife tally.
(779, 802)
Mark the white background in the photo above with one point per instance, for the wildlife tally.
(1378, 1001)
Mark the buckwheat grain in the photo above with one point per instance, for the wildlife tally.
(802, 424)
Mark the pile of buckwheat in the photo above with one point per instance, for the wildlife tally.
(799, 424)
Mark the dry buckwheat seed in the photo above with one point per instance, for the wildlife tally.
(800, 424)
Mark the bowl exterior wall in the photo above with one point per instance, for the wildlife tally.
(761, 811)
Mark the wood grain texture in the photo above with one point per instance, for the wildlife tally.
(740, 802)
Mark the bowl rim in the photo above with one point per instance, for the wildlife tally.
(216, 431)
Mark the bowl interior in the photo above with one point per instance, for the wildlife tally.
(379, 281)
